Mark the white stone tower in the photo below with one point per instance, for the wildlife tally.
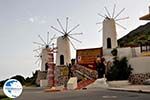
(63, 55)
(44, 59)
(109, 33)
(47, 58)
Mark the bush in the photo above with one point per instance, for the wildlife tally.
(28, 81)
(4, 97)
(19, 78)
(114, 52)
(120, 70)
(2, 82)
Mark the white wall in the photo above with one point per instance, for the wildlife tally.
(138, 51)
(140, 64)
(107, 52)
(123, 52)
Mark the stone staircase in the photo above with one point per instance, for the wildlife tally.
(86, 75)
(84, 83)
(83, 75)
(84, 72)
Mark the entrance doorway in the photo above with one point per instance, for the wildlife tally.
(108, 42)
(61, 59)
(46, 66)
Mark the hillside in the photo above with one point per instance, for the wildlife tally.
(140, 34)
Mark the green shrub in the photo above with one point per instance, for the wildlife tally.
(4, 97)
(19, 78)
(114, 52)
(120, 70)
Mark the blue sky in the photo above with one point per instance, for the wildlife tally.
(21, 21)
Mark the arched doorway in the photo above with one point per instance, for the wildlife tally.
(108, 42)
(46, 66)
(61, 59)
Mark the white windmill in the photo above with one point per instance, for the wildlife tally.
(45, 51)
(63, 55)
(109, 28)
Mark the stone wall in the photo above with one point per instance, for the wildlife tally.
(139, 78)
(61, 75)
(41, 75)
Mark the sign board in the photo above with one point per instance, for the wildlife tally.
(88, 56)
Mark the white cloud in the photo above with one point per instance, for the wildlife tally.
(31, 20)
(42, 22)
(36, 19)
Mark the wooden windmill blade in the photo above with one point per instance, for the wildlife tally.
(101, 15)
(38, 43)
(76, 33)
(99, 23)
(107, 12)
(38, 49)
(113, 13)
(61, 25)
(121, 26)
(67, 18)
(47, 37)
(119, 13)
(72, 44)
(74, 39)
(42, 39)
(73, 28)
(50, 41)
(122, 18)
(56, 29)
(37, 60)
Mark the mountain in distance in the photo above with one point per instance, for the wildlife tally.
(135, 37)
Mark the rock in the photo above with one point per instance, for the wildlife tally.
(146, 82)
(72, 83)
(44, 83)
(99, 83)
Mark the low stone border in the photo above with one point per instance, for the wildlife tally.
(138, 78)
(130, 90)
